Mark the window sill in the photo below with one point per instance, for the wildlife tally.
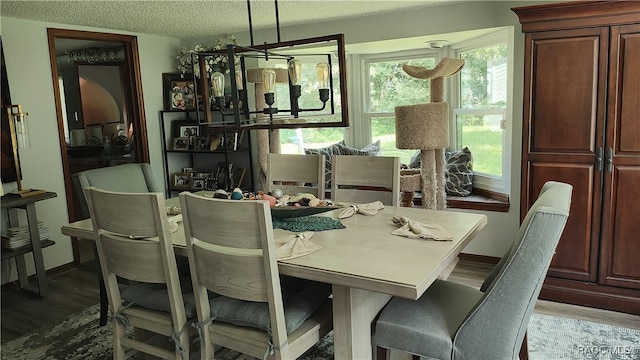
(479, 199)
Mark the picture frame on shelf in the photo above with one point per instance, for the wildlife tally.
(181, 181)
(198, 183)
(189, 130)
(177, 101)
(200, 144)
(175, 83)
(181, 143)
(238, 176)
(223, 172)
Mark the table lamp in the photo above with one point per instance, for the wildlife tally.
(19, 140)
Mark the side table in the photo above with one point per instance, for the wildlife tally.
(14, 202)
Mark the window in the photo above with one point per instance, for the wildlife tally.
(478, 97)
(294, 141)
(386, 86)
(480, 109)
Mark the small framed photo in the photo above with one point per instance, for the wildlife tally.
(181, 181)
(198, 183)
(177, 101)
(179, 92)
(181, 143)
(189, 131)
(200, 144)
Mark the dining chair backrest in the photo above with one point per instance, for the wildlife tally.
(455, 321)
(134, 242)
(363, 179)
(294, 174)
(232, 253)
(520, 276)
(133, 178)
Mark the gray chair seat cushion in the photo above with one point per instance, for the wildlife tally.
(426, 326)
(155, 296)
(300, 299)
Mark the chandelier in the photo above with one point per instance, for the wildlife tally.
(278, 73)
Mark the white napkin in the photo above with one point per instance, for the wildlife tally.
(369, 209)
(174, 210)
(417, 230)
(295, 245)
(173, 222)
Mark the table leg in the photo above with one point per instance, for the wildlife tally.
(41, 275)
(23, 277)
(353, 312)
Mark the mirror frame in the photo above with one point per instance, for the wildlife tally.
(133, 95)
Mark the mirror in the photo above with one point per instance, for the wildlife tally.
(100, 112)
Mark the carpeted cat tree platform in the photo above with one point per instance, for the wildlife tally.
(426, 127)
(268, 141)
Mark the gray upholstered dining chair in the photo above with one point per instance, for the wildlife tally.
(294, 174)
(134, 243)
(455, 321)
(133, 178)
(363, 179)
(232, 253)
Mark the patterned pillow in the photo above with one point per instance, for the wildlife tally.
(333, 149)
(340, 148)
(373, 149)
(459, 172)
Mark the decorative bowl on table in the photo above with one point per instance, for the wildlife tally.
(281, 212)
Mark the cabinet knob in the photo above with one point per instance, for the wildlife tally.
(599, 159)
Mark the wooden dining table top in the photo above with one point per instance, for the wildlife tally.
(365, 254)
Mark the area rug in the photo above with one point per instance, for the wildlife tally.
(550, 338)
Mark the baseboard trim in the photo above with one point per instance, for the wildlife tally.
(591, 295)
(15, 284)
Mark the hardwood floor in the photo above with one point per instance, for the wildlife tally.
(73, 291)
(68, 294)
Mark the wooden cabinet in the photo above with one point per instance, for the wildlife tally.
(581, 125)
(231, 154)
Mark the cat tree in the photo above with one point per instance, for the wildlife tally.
(426, 127)
(268, 141)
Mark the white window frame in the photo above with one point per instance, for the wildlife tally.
(484, 181)
(362, 136)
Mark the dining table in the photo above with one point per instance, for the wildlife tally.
(364, 262)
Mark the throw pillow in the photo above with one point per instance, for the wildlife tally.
(373, 149)
(459, 172)
(333, 149)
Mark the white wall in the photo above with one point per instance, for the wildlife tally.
(29, 73)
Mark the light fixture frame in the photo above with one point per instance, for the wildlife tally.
(241, 117)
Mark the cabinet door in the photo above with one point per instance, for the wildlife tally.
(562, 131)
(620, 236)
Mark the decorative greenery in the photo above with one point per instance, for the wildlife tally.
(213, 63)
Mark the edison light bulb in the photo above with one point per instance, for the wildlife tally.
(217, 84)
(322, 70)
(295, 71)
(269, 81)
(239, 84)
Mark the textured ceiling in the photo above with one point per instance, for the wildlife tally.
(193, 18)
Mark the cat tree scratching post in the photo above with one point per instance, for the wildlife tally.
(426, 127)
(268, 141)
